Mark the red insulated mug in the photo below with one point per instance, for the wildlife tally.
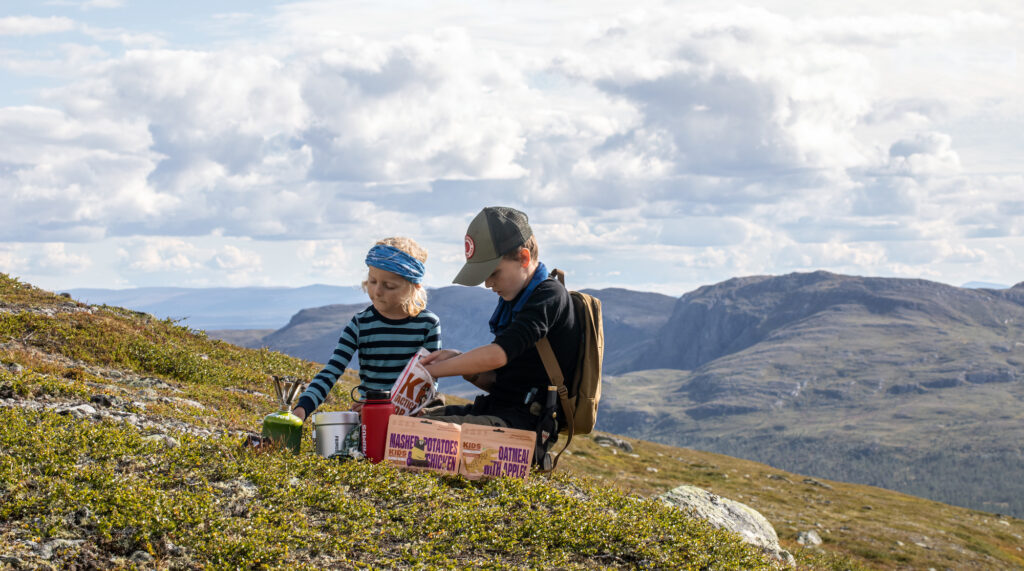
(377, 410)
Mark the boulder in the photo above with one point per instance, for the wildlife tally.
(105, 401)
(612, 441)
(813, 482)
(79, 411)
(57, 546)
(731, 515)
(809, 538)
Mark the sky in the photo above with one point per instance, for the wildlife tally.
(655, 145)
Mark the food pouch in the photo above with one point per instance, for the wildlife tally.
(420, 444)
(414, 387)
(491, 451)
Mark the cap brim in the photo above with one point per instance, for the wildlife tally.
(474, 273)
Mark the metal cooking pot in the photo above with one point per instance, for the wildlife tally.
(330, 430)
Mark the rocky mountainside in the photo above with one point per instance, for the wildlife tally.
(908, 384)
(119, 448)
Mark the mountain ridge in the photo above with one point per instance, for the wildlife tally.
(838, 376)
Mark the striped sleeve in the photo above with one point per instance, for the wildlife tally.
(433, 340)
(324, 381)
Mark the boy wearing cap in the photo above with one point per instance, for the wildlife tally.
(501, 253)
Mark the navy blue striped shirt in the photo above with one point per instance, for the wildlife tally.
(384, 346)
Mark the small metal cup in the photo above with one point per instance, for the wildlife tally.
(330, 430)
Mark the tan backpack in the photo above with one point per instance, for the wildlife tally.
(578, 397)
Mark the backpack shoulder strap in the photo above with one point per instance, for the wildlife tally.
(558, 275)
(547, 356)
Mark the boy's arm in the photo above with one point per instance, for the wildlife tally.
(481, 361)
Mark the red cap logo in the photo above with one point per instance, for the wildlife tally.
(470, 247)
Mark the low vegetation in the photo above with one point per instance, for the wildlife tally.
(154, 476)
(207, 502)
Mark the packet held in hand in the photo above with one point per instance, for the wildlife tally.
(489, 451)
(414, 387)
(421, 444)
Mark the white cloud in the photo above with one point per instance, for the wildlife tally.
(162, 255)
(833, 255)
(34, 26)
(927, 154)
(102, 4)
(725, 140)
(47, 259)
(234, 258)
(86, 4)
(10, 261)
(124, 37)
(962, 254)
(55, 259)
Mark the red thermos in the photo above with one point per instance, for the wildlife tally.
(374, 430)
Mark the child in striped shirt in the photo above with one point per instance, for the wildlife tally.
(389, 332)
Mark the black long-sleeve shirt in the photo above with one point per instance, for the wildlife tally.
(548, 312)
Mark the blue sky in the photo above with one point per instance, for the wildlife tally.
(655, 145)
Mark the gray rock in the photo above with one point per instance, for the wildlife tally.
(82, 516)
(79, 411)
(731, 515)
(140, 557)
(106, 401)
(809, 538)
(161, 439)
(47, 550)
(813, 482)
(239, 487)
(190, 402)
(11, 560)
(149, 382)
(611, 441)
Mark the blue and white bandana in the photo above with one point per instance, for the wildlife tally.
(393, 260)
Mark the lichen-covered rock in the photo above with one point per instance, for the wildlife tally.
(728, 514)
(810, 538)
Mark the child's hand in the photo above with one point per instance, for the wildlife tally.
(439, 355)
(356, 407)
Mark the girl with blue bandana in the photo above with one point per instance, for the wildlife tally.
(388, 332)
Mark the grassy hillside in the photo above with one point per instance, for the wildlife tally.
(152, 475)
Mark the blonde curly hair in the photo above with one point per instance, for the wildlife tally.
(416, 300)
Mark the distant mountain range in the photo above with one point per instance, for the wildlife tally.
(222, 308)
(907, 384)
